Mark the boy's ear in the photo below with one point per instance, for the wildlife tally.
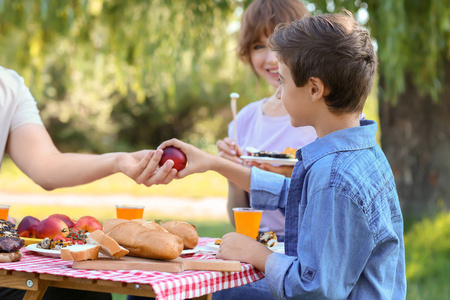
(317, 89)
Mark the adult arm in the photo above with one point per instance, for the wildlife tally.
(33, 151)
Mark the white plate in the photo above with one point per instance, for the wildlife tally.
(56, 253)
(271, 160)
(45, 252)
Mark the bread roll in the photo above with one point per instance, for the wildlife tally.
(80, 252)
(143, 242)
(10, 256)
(187, 232)
(108, 246)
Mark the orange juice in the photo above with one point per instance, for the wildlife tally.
(129, 212)
(247, 221)
(4, 210)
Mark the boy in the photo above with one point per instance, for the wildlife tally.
(344, 228)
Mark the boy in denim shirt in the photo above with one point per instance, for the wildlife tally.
(344, 228)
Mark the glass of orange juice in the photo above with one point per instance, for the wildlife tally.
(247, 221)
(4, 210)
(130, 212)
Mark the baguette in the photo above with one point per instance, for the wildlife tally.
(108, 246)
(143, 242)
(150, 225)
(80, 252)
(187, 232)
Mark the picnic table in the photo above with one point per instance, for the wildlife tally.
(35, 273)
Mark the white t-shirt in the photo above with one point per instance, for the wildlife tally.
(269, 134)
(17, 106)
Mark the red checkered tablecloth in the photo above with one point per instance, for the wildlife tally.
(187, 284)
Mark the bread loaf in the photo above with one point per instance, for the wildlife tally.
(187, 232)
(80, 252)
(108, 246)
(142, 241)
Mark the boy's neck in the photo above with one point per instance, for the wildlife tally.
(328, 122)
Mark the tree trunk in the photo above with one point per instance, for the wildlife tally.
(415, 136)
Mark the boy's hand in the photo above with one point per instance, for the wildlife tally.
(228, 149)
(198, 160)
(236, 246)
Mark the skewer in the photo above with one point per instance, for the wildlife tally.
(234, 97)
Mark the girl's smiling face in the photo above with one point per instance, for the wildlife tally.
(264, 62)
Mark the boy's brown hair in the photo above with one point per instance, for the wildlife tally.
(334, 48)
(261, 17)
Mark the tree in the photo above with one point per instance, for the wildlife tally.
(413, 39)
(120, 75)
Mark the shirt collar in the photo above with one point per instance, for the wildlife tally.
(350, 139)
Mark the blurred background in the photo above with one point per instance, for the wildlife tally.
(126, 75)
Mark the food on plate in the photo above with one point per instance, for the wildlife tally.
(268, 238)
(80, 252)
(27, 227)
(10, 242)
(218, 242)
(52, 244)
(108, 246)
(289, 151)
(142, 241)
(51, 227)
(88, 224)
(176, 155)
(77, 236)
(69, 222)
(272, 154)
(187, 232)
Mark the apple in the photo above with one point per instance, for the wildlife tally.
(175, 154)
(51, 227)
(88, 224)
(64, 218)
(27, 227)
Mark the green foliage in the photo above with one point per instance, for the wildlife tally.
(413, 40)
(428, 249)
(115, 75)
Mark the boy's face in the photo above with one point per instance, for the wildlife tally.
(264, 61)
(296, 100)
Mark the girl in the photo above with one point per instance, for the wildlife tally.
(263, 124)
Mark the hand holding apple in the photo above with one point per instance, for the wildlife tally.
(176, 155)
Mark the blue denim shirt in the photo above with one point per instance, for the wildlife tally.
(344, 227)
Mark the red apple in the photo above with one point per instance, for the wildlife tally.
(27, 227)
(51, 227)
(176, 155)
(64, 218)
(88, 224)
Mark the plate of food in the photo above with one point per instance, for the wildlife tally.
(271, 160)
(285, 158)
(46, 252)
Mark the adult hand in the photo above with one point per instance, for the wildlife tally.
(143, 167)
(239, 247)
(228, 149)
